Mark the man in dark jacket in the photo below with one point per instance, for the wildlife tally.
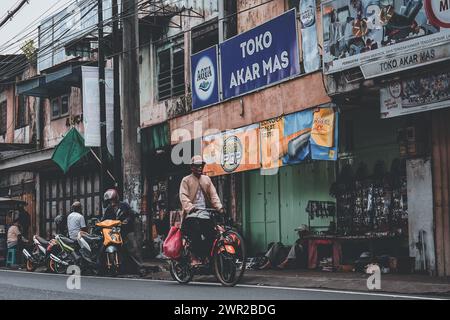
(118, 210)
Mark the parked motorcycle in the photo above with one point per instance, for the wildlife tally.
(38, 256)
(63, 254)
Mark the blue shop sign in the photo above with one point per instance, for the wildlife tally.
(261, 56)
(205, 78)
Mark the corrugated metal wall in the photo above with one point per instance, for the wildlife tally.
(441, 165)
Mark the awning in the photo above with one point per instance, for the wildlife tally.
(155, 138)
(31, 161)
(32, 87)
(58, 81)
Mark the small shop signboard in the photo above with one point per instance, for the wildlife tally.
(415, 94)
(406, 61)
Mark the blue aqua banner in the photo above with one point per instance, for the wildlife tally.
(261, 56)
(205, 78)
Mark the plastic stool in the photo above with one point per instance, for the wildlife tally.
(11, 257)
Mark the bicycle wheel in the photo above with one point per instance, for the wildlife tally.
(229, 263)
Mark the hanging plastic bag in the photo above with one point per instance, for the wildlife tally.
(173, 245)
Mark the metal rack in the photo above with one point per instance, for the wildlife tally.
(319, 210)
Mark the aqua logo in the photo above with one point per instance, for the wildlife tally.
(204, 78)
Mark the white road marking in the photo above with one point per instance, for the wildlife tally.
(387, 295)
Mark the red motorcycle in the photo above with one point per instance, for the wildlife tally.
(226, 261)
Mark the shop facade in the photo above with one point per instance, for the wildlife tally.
(232, 124)
(391, 85)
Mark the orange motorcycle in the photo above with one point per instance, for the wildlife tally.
(104, 245)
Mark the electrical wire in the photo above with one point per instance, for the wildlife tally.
(166, 38)
(51, 52)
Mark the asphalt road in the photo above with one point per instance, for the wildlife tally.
(25, 285)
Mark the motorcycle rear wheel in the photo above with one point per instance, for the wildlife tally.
(113, 258)
(30, 266)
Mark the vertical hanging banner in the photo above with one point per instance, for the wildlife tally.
(205, 78)
(324, 135)
(261, 56)
(91, 107)
(232, 151)
(271, 132)
(310, 47)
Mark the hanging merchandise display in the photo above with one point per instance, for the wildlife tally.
(371, 205)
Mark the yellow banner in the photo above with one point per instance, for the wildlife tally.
(323, 127)
(271, 132)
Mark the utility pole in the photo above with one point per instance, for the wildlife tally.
(117, 115)
(102, 100)
(131, 112)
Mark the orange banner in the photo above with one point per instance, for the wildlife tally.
(232, 151)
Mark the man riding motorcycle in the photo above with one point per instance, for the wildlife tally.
(119, 210)
(196, 191)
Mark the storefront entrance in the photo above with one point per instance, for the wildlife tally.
(277, 204)
(58, 192)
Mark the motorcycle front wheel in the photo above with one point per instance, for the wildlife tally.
(229, 267)
(60, 268)
(181, 271)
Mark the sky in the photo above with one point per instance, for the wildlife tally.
(27, 15)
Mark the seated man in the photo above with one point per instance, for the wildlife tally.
(281, 257)
(75, 221)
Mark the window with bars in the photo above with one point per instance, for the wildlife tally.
(3, 112)
(171, 70)
(22, 112)
(60, 106)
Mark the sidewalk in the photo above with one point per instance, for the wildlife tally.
(392, 283)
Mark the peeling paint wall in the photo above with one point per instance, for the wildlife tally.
(23, 134)
(420, 214)
(54, 130)
(257, 15)
(154, 111)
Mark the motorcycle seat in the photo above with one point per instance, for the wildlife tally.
(42, 241)
(68, 241)
(91, 238)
